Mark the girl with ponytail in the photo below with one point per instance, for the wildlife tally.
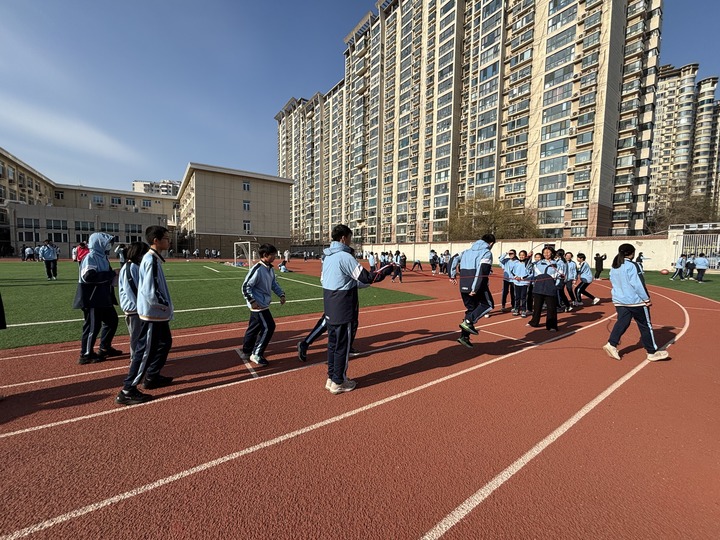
(632, 302)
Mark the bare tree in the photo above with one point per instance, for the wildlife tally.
(475, 217)
(689, 210)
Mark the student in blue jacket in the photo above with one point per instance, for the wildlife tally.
(473, 270)
(341, 274)
(506, 260)
(680, 268)
(632, 302)
(96, 297)
(521, 273)
(128, 289)
(701, 265)
(584, 279)
(546, 280)
(257, 289)
(155, 310)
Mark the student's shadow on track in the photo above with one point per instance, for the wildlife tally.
(447, 357)
(58, 397)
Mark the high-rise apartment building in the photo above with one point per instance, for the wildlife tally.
(685, 147)
(548, 105)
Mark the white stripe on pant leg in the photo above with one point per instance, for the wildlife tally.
(88, 347)
(347, 350)
(146, 354)
(650, 328)
(317, 331)
(259, 340)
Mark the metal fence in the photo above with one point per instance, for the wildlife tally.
(694, 244)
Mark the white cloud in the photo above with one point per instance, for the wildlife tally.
(63, 131)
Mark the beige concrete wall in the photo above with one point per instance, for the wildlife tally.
(658, 252)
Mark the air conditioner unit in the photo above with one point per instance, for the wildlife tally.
(568, 205)
(571, 131)
(576, 76)
(567, 223)
(574, 115)
(570, 169)
(576, 95)
(569, 188)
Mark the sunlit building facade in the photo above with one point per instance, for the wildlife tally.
(548, 105)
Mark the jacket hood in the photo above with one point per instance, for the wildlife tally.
(100, 241)
(480, 245)
(336, 247)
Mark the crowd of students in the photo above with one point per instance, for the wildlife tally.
(686, 265)
(545, 282)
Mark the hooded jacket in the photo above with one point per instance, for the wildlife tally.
(96, 277)
(475, 267)
(341, 273)
(257, 285)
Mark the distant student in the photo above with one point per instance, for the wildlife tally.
(632, 302)
(680, 268)
(155, 310)
(520, 273)
(506, 261)
(701, 265)
(49, 254)
(128, 282)
(571, 274)
(599, 264)
(473, 271)
(584, 279)
(416, 264)
(257, 289)
(397, 273)
(96, 298)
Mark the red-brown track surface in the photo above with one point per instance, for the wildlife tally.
(528, 435)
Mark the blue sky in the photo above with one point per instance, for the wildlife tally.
(104, 92)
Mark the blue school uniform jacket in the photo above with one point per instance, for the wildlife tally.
(153, 298)
(128, 287)
(259, 285)
(628, 285)
(475, 267)
(95, 279)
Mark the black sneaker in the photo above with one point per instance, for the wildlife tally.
(462, 340)
(468, 327)
(110, 352)
(302, 348)
(354, 352)
(131, 397)
(88, 359)
(158, 381)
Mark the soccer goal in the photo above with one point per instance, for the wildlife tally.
(245, 253)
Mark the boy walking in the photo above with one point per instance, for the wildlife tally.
(155, 310)
(257, 289)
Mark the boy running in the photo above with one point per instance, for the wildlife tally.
(257, 289)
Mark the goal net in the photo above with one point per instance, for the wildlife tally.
(245, 253)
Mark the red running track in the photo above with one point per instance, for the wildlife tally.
(527, 435)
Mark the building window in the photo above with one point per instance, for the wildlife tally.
(246, 226)
(129, 202)
(147, 203)
(246, 206)
(59, 195)
(98, 199)
(84, 226)
(246, 186)
(116, 200)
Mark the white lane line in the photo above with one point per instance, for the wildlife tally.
(193, 392)
(247, 363)
(41, 526)
(218, 271)
(472, 502)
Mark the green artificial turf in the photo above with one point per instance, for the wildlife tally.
(203, 294)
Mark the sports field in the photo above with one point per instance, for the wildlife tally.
(529, 434)
(203, 292)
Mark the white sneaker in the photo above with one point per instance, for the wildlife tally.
(327, 384)
(348, 385)
(657, 355)
(611, 351)
(596, 301)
